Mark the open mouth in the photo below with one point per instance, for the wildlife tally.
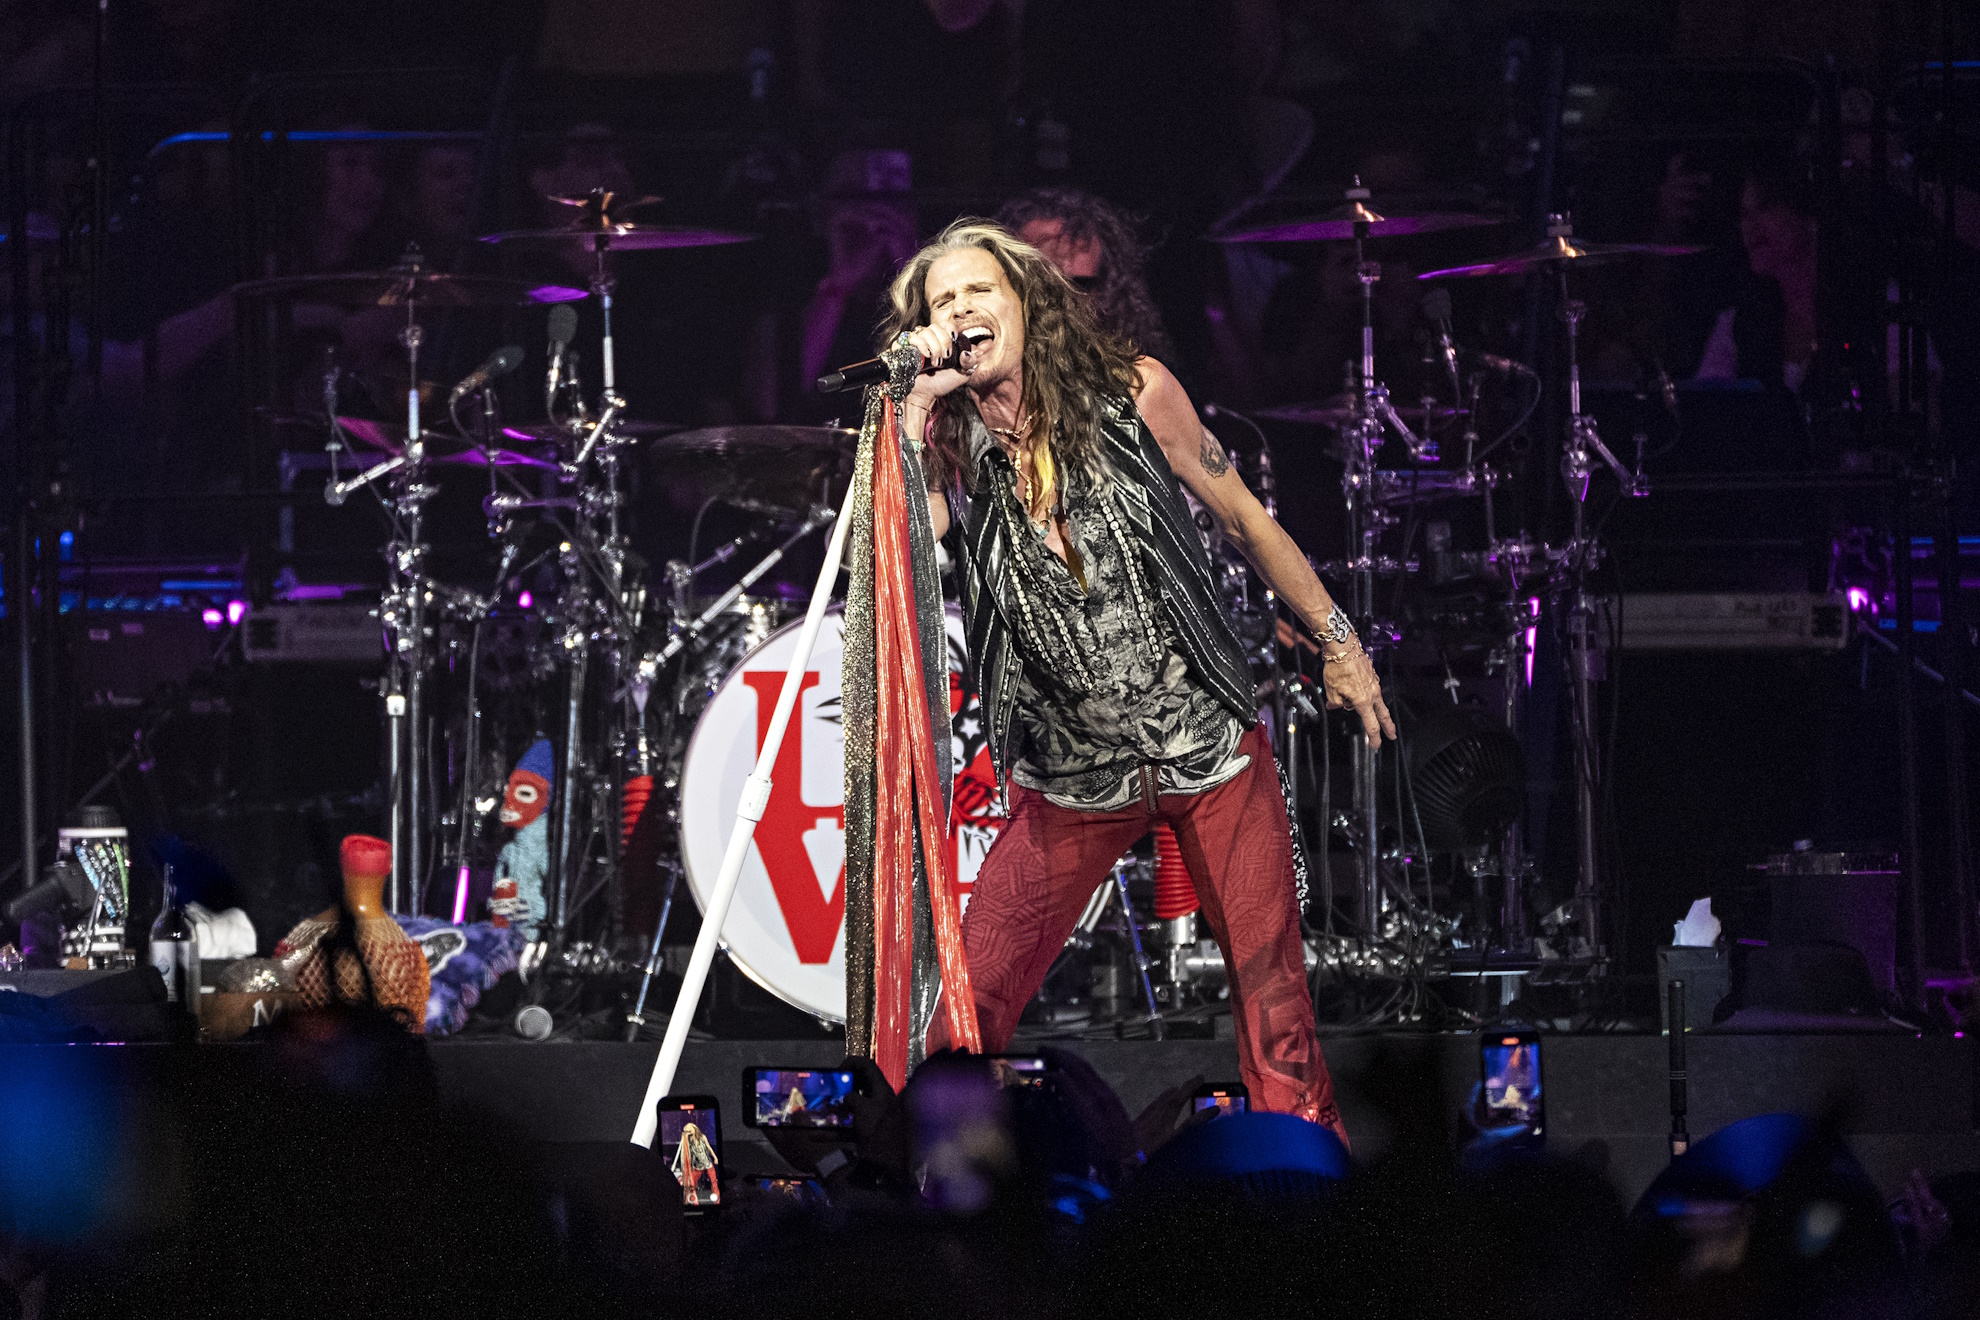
(974, 339)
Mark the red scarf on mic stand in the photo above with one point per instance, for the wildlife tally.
(894, 677)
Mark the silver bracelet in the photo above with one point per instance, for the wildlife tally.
(904, 365)
(1337, 629)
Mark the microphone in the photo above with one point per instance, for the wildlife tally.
(331, 370)
(1666, 390)
(563, 324)
(1437, 310)
(337, 492)
(1504, 366)
(877, 371)
(500, 363)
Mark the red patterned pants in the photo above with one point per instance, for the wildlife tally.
(1237, 845)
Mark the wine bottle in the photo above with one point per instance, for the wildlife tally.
(175, 951)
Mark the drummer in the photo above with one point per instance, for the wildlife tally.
(1116, 694)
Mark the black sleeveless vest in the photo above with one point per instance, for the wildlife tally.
(1177, 565)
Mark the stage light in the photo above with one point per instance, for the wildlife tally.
(525, 600)
(211, 617)
(236, 611)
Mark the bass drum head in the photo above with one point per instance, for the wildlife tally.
(786, 927)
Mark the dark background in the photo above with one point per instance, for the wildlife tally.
(1190, 113)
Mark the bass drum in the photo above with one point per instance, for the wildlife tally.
(786, 928)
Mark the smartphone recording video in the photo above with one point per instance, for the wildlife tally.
(1224, 1097)
(1509, 1068)
(798, 1097)
(1018, 1069)
(691, 1144)
(804, 1191)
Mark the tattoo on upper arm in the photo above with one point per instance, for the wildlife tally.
(1212, 456)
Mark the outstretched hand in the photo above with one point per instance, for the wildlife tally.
(1353, 684)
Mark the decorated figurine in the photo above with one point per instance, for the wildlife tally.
(359, 954)
(517, 899)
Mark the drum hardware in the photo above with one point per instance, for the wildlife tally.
(1341, 409)
(624, 427)
(601, 604)
(649, 665)
(1581, 557)
(1115, 886)
(1565, 572)
(402, 608)
(636, 1019)
(408, 284)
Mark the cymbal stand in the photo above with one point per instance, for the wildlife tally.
(1585, 660)
(1361, 439)
(402, 612)
(599, 608)
(821, 515)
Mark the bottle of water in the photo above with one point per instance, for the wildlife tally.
(175, 952)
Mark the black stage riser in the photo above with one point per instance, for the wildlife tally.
(1905, 1102)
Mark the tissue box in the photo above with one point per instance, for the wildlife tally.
(1707, 977)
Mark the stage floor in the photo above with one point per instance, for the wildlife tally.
(1905, 1101)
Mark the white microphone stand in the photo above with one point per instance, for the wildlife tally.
(755, 796)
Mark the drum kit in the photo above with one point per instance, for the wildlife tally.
(1454, 787)
(655, 687)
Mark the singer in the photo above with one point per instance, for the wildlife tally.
(1114, 691)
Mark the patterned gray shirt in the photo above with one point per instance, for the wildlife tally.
(1104, 689)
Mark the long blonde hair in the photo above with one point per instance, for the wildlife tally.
(1072, 367)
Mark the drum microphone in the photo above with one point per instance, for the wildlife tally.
(337, 492)
(500, 363)
(563, 324)
(1667, 390)
(877, 371)
(1437, 310)
(1504, 366)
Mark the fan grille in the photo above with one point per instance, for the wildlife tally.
(1470, 789)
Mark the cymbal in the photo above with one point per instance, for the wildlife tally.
(753, 467)
(1341, 409)
(544, 433)
(396, 288)
(758, 441)
(390, 437)
(501, 457)
(1560, 249)
(1339, 223)
(620, 236)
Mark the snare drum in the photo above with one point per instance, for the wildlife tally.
(786, 928)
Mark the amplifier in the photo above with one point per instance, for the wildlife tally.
(1735, 621)
(322, 631)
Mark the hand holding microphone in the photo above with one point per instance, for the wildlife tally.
(941, 355)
